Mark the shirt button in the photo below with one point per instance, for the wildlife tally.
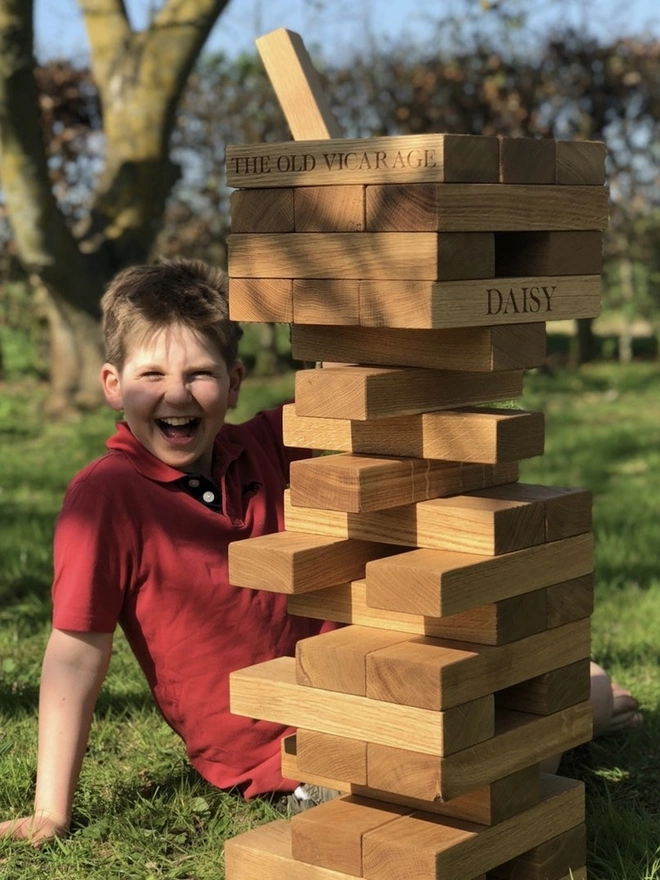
(193, 483)
(208, 497)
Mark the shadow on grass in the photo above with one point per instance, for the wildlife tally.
(621, 774)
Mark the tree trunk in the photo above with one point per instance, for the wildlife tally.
(587, 347)
(76, 354)
(140, 77)
(628, 296)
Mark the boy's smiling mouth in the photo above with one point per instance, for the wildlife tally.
(178, 427)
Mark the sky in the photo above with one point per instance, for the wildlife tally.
(337, 25)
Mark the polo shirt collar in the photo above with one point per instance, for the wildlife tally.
(145, 463)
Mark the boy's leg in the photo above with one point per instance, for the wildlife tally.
(614, 707)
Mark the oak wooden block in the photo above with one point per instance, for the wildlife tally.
(262, 210)
(337, 660)
(482, 526)
(329, 208)
(485, 529)
(420, 305)
(520, 740)
(404, 207)
(357, 483)
(448, 673)
(551, 691)
(362, 393)
(548, 253)
(296, 85)
(413, 158)
(466, 435)
(472, 349)
(577, 874)
(567, 512)
(570, 600)
(261, 299)
(580, 162)
(527, 160)
(330, 836)
(264, 853)
(310, 752)
(496, 624)
(362, 255)
(428, 848)
(440, 583)
(323, 301)
(486, 804)
(269, 691)
(287, 562)
(550, 860)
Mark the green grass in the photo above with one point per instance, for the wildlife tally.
(141, 812)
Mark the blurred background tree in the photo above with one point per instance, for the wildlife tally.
(113, 202)
(60, 135)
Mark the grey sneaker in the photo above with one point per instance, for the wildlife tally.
(307, 796)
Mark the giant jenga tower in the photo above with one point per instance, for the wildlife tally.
(424, 269)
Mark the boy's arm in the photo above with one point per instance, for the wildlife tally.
(73, 670)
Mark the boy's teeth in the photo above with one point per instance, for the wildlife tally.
(175, 421)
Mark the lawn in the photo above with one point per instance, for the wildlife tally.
(142, 813)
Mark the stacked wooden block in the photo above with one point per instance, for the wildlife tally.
(424, 269)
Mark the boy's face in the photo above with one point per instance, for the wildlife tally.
(175, 389)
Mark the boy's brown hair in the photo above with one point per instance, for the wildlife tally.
(143, 299)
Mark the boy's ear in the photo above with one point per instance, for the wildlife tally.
(112, 387)
(236, 376)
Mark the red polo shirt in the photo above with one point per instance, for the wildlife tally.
(134, 547)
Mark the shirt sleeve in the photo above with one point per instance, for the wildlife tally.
(93, 552)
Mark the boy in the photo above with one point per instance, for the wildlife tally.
(141, 541)
(142, 537)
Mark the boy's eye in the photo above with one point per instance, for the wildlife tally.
(151, 374)
(204, 373)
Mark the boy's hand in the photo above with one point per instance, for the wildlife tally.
(36, 829)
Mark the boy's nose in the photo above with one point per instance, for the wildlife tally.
(177, 391)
